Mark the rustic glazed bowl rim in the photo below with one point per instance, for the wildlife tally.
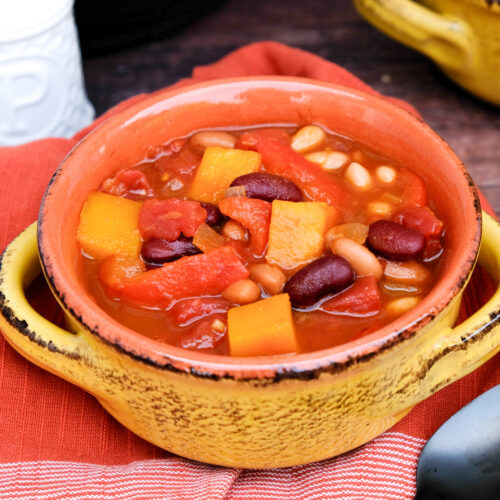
(301, 366)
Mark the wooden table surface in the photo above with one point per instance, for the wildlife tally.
(330, 29)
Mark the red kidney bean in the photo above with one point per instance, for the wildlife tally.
(214, 215)
(395, 241)
(325, 275)
(268, 187)
(156, 252)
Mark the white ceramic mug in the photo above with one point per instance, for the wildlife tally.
(41, 82)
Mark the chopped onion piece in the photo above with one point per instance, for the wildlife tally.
(391, 198)
(231, 192)
(218, 326)
(352, 230)
(207, 239)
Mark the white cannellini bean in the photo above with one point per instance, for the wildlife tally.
(410, 272)
(398, 307)
(385, 174)
(361, 259)
(380, 208)
(271, 278)
(329, 161)
(358, 176)
(308, 138)
(234, 230)
(318, 157)
(212, 138)
(242, 292)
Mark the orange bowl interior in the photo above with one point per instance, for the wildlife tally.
(122, 141)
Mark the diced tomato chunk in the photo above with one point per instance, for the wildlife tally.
(197, 275)
(202, 336)
(175, 146)
(433, 249)
(182, 164)
(252, 213)
(281, 160)
(413, 188)
(185, 163)
(421, 219)
(363, 297)
(167, 219)
(128, 183)
(241, 248)
(249, 140)
(189, 310)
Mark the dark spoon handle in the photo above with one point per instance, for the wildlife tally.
(461, 461)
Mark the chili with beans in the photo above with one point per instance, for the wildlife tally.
(260, 242)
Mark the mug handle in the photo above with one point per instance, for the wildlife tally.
(445, 40)
(63, 353)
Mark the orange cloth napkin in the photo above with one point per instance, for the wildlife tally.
(57, 442)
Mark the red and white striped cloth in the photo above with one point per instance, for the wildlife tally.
(381, 470)
(57, 442)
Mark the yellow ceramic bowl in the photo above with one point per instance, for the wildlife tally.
(461, 36)
(271, 411)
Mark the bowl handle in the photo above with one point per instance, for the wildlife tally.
(68, 355)
(465, 347)
(71, 355)
(445, 40)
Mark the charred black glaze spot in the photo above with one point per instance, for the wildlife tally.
(23, 327)
(466, 341)
(464, 277)
(294, 375)
(203, 374)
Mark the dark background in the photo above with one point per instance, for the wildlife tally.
(126, 54)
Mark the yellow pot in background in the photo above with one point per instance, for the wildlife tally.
(461, 36)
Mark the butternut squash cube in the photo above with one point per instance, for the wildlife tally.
(297, 232)
(109, 225)
(218, 168)
(262, 328)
